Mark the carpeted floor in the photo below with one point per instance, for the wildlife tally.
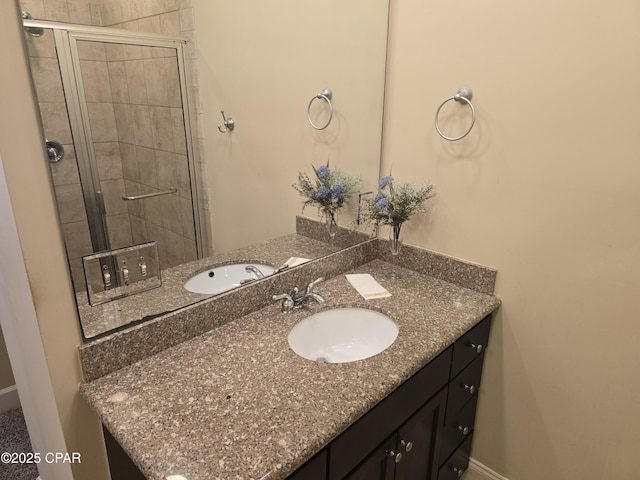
(15, 439)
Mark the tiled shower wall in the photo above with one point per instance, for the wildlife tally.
(44, 67)
(136, 125)
(170, 17)
(135, 109)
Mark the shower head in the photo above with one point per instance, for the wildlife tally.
(33, 31)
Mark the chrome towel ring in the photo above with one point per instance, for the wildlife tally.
(463, 95)
(325, 95)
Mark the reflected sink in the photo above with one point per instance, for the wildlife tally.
(225, 277)
(343, 335)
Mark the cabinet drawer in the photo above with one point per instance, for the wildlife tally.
(456, 464)
(458, 427)
(464, 386)
(355, 443)
(470, 345)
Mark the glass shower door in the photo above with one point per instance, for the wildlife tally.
(139, 162)
(117, 106)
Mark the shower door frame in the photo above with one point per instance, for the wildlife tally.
(66, 37)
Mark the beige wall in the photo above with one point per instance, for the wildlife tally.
(545, 189)
(6, 375)
(31, 190)
(263, 69)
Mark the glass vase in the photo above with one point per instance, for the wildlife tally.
(395, 239)
(331, 224)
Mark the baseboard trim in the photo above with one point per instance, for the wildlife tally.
(485, 472)
(9, 399)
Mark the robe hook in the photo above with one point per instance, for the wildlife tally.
(229, 124)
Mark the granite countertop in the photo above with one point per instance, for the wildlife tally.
(237, 402)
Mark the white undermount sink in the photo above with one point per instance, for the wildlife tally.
(343, 335)
(225, 277)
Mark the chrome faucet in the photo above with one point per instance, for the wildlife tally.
(255, 270)
(297, 300)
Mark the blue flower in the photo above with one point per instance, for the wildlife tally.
(337, 190)
(322, 193)
(385, 181)
(381, 204)
(323, 172)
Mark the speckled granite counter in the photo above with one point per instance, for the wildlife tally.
(237, 402)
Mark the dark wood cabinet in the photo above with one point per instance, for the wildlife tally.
(393, 415)
(417, 441)
(314, 469)
(379, 465)
(410, 453)
(421, 431)
(462, 401)
(121, 466)
(456, 465)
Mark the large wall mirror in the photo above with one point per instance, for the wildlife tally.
(136, 112)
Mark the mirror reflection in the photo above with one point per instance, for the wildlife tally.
(136, 111)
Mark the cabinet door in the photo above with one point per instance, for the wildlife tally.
(380, 464)
(314, 469)
(356, 443)
(417, 441)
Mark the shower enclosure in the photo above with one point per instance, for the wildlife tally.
(116, 118)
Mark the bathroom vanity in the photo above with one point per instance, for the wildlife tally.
(237, 402)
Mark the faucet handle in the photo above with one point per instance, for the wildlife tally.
(311, 286)
(287, 301)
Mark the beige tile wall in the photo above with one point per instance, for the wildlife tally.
(170, 17)
(135, 110)
(44, 67)
(72, 11)
(152, 147)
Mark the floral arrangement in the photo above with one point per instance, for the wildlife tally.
(328, 191)
(395, 204)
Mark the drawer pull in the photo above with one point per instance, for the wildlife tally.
(478, 348)
(458, 471)
(472, 389)
(407, 445)
(464, 430)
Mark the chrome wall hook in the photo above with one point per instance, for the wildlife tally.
(229, 124)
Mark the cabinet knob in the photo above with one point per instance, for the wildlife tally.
(397, 457)
(464, 430)
(472, 389)
(458, 471)
(407, 445)
(478, 348)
